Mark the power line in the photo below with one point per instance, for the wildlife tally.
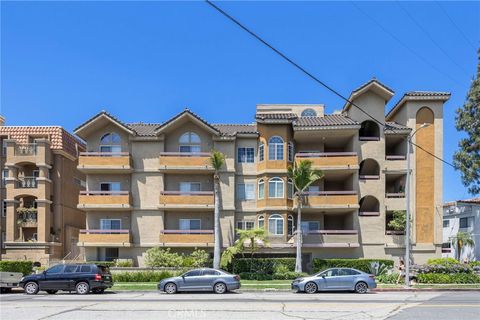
(313, 77)
(430, 37)
(456, 26)
(426, 61)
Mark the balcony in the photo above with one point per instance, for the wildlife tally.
(104, 238)
(37, 152)
(331, 239)
(105, 162)
(27, 217)
(105, 200)
(395, 162)
(185, 161)
(26, 183)
(330, 160)
(187, 238)
(179, 200)
(331, 200)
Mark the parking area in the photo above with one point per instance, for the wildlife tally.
(242, 305)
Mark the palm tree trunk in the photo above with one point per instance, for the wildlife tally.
(298, 260)
(217, 240)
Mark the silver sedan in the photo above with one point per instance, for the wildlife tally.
(205, 279)
(336, 279)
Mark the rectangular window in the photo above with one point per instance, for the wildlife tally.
(466, 222)
(190, 149)
(310, 226)
(111, 149)
(261, 152)
(245, 225)
(189, 224)
(275, 151)
(4, 208)
(4, 177)
(110, 186)
(190, 186)
(111, 254)
(290, 152)
(290, 190)
(261, 189)
(4, 148)
(110, 224)
(446, 223)
(245, 155)
(246, 191)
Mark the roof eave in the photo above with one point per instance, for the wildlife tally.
(102, 115)
(406, 97)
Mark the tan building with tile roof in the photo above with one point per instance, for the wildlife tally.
(39, 193)
(152, 185)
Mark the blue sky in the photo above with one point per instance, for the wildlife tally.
(146, 61)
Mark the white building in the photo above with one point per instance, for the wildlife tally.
(461, 216)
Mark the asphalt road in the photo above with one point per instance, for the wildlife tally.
(244, 305)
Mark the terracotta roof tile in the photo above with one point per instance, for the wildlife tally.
(233, 129)
(144, 129)
(325, 121)
(392, 127)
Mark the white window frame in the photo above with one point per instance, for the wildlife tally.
(290, 151)
(261, 152)
(189, 224)
(276, 181)
(246, 195)
(102, 221)
(308, 112)
(261, 219)
(276, 217)
(4, 177)
(290, 189)
(190, 184)
(261, 187)
(110, 146)
(290, 218)
(245, 158)
(276, 147)
(306, 226)
(190, 143)
(111, 183)
(242, 224)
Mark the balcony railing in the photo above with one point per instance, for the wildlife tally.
(101, 161)
(329, 193)
(28, 149)
(27, 182)
(324, 154)
(187, 199)
(369, 213)
(184, 154)
(104, 193)
(348, 199)
(198, 237)
(369, 177)
(394, 232)
(104, 199)
(185, 160)
(395, 157)
(329, 159)
(104, 154)
(331, 238)
(395, 195)
(369, 138)
(106, 236)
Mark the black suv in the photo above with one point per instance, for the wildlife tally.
(81, 278)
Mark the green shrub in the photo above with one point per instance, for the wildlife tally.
(142, 276)
(267, 266)
(157, 257)
(434, 278)
(23, 266)
(387, 278)
(289, 275)
(197, 259)
(474, 264)
(359, 264)
(103, 263)
(446, 269)
(255, 276)
(123, 263)
(442, 261)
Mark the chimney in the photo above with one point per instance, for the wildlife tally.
(2, 120)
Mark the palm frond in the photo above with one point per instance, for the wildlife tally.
(217, 159)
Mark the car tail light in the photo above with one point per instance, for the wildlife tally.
(237, 277)
(371, 276)
(98, 277)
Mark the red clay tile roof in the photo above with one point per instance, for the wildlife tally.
(328, 120)
(59, 138)
(233, 129)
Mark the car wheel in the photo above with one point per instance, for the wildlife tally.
(220, 288)
(52, 291)
(82, 288)
(361, 287)
(31, 288)
(170, 288)
(98, 291)
(310, 287)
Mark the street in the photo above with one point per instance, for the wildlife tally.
(243, 305)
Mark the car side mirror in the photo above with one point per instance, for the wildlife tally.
(323, 276)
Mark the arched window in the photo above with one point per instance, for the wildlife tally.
(189, 142)
(275, 224)
(261, 222)
(369, 131)
(290, 189)
(369, 169)
(290, 225)
(261, 152)
(111, 143)
(290, 151)
(275, 188)
(275, 148)
(425, 115)
(369, 205)
(261, 189)
(309, 113)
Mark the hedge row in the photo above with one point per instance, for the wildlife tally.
(265, 266)
(359, 264)
(434, 278)
(142, 276)
(22, 266)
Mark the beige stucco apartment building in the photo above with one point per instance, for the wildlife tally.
(152, 185)
(39, 191)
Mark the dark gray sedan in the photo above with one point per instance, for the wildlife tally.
(205, 279)
(336, 279)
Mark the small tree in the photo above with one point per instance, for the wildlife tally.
(399, 220)
(302, 176)
(217, 159)
(199, 258)
(157, 257)
(461, 240)
(253, 237)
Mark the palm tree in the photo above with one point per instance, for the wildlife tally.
(217, 159)
(302, 176)
(253, 237)
(461, 240)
